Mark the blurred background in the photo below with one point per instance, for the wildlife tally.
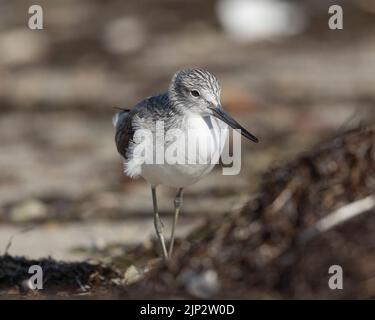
(284, 74)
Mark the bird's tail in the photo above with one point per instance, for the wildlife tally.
(119, 115)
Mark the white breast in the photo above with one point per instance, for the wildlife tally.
(207, 137)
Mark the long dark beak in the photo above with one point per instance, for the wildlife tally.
(219, 113)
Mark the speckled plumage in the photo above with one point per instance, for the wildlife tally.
(173, 108)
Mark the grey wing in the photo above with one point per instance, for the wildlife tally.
(124, 131)
(148, 110)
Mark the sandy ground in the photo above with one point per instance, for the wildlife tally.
(81, 241)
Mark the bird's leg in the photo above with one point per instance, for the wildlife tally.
(158, 224)
(177, 207)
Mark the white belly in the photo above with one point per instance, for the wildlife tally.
(207, 136)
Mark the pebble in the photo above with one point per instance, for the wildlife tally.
(28, 210)
(202, 285)
(132, 275)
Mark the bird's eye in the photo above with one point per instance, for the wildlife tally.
(195, 93)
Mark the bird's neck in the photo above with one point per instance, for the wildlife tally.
(176, 104)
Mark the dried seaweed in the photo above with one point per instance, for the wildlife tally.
(58, 276)
(256, 252)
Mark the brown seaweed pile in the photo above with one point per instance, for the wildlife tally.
(62, 278)
(258, 251)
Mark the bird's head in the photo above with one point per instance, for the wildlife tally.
(198, 91)
(195, 90)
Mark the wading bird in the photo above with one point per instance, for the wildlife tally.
(190, 107)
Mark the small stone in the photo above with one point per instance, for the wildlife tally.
(132, 275)
(27, 286)
(28, 210)
(201, 285)
(116, 281)
(97, 244)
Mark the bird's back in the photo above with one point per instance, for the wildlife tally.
(143, 115)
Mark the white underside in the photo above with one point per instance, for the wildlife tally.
(208, 135)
